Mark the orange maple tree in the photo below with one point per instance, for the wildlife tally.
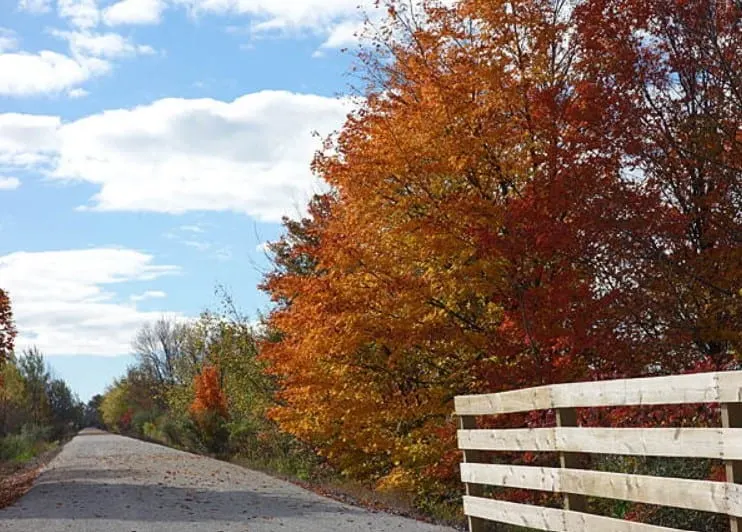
(517, 203)
(209, 397)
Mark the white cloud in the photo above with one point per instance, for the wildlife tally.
(251, 155)
(27, 140)
(149, 294)
(344, 34)
(83, 14)
(77, 93)
(48, 72)
(285, 15)
(9, 183)
(35, 6)
(44, 72)
(134, 12)
(8, 40)
(27, 73)
(62, 302)
(336, 20)
(101, 45)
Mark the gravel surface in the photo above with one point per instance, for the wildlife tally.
(102, 482)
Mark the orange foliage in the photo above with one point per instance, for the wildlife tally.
(522, 200)
(209, 397)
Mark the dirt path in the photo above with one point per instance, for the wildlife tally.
(102, 482)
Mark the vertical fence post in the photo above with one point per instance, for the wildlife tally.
(475, 523)
(731, 417)
(567, 417)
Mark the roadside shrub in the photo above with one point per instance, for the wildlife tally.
(36, 433)
(262, 445)
(171, 431)
(211, 429)
(21, 447)
(140, 419)
(16, 448)
(180, 432)
(151, 432)
(242, 436)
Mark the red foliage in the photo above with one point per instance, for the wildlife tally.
(125, 421)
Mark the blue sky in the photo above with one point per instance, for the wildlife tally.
(148, 148)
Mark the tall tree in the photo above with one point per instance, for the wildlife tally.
(7, 328)
(504, 214)
(36, 376)
(65, 409)
(92, 415)
(681, 240)
(13, 400)
(157, 346)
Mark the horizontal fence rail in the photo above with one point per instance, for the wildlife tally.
(719, 387)
(572, 442)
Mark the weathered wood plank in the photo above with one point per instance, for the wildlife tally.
(475, 524)
(567, 417)
(679, 442)
(705, 496)
(717, 387)
(550, 519)
(731, 416)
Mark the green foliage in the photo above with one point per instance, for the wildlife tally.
(36, 376)
(151, 432)
(212, 432)
(29, 396)
(260, 444)
(13, 398)
(91, 415)
(142, 418)
(21, 447)
(225, 340)
(173, 432)
(66, 410)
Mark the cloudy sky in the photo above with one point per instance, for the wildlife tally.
(147, 150)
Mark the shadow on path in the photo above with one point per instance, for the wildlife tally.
(87, 499)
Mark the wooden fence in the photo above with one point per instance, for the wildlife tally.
(570, 440)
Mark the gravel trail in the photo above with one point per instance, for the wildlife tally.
(107, 483)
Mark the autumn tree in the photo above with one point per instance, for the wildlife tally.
(208, 393)
(447, 265)
(505, 213)
(7, 328)
(677, 244)
(114, 408)
(209, 409)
